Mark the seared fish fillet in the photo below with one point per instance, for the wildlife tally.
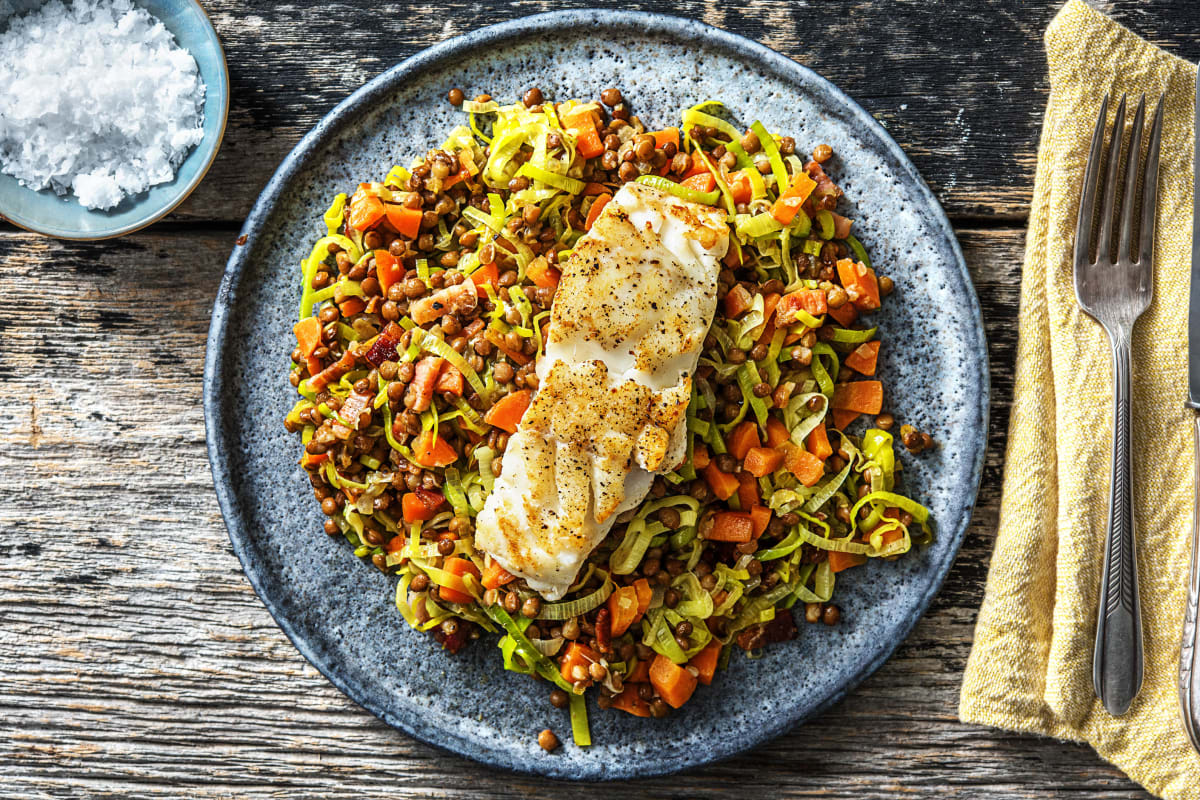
(634, 304)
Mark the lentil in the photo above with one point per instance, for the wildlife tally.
(548, 741)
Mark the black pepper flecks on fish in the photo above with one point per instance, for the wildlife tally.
(634, 304)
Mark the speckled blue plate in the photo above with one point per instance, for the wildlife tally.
(339, 611)
(63, 217)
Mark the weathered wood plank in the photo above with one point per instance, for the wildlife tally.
(135, 660)
(973, 136)
(945, 80)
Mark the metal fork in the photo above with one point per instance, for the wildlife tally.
(1115, 292)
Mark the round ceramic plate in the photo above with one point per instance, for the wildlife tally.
(339, 611)
(63, 217)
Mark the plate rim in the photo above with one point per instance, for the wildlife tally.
(433, 57)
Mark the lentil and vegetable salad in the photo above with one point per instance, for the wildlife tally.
(424, 309)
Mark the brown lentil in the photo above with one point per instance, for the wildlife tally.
(532, 97)
(548, 741)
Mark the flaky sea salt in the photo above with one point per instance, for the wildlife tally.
(96, 98)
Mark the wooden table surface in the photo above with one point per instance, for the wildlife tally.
(136, 661)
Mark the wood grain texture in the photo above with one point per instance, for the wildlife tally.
(135, 660)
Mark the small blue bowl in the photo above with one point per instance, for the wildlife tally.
(63, 217)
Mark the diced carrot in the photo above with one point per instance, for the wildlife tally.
(760, 517)
(419, 395)
(860, 283)
(433, 451)
(842, 418)
(456, 590)
(365, 208)
(623, 605)
(792, 199)
(455, 179)
(630, 701)
(892, 535)
(697, 167)
(747, 490)
(841, 226)
(645, 594)
(706, 662)
(587, 140)
(577, 655)
(640, 673)
(674, 683)
(308, 335)
(351, 306)
(310, 460)
(488, 273)
(732, 526)
(777, 432)
(508, 410)
(393, 544)
(495, 576)
(388, 269)
(740, 187)
(594, 213)
(416, 509)
(818, 443)
(542, 274)
(865, 397)
(839, 561)
(406, 221)
(723, 485)
(743, 437)
(737, 301)
(589, 144)
(700, 457)
(809, 300)
(771, 304)
(665, 136)
(497, 341)
(701, 182)
(864, 358)
(761, 461)
(314, 364)
(807, 468)
(450, 380)
(592, 189)
(845, 314)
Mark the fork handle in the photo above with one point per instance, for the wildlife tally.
(1189, 650)
(1117, 664)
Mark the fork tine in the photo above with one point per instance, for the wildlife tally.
(1132, 162)
(1104, 247)
(1150, 188)
(1087, 196)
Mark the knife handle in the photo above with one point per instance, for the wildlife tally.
(1117, 663)
(1189, 650)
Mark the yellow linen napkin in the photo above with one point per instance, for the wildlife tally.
(1031, 665)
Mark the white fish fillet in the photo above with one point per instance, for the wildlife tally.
(630, 315)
